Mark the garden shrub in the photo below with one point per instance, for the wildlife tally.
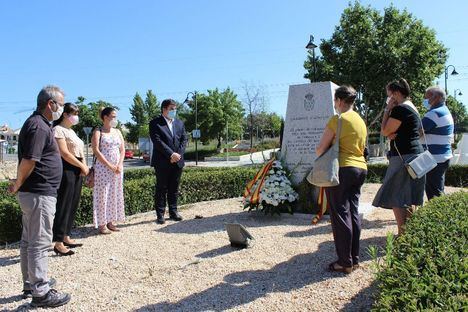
(197, 184)
(10, 220)
(457, 175)
(427, 267)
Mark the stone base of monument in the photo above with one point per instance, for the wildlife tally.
(308, 198)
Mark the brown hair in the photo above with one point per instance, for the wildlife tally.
(166, 103)
(346, 93)
(105, 111)
(400, 85)
(68, 108)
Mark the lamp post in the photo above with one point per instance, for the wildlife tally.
(227, 141)
(454, 72)
(87, 131)
(455, 93)
(196, 133)
(311, 46)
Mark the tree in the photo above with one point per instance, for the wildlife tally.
(151, 106)
(459, 114)
(367, 50)
(267, 123)
(254, 103)
(89, 115)
(142, 113)
(217, 112)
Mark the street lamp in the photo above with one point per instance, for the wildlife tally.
(196, 133)
(454, 72)
(311, 46)
(455, 93)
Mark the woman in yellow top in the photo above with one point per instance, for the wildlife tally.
(344, 198)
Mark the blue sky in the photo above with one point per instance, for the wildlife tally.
(111, 49)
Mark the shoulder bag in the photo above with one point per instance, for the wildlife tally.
(326, 166)
(421, 164)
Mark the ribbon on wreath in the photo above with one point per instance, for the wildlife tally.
(254, 191)
(323, 205)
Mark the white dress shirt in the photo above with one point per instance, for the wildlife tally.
(169, 124)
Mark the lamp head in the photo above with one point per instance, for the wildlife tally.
(311, 44)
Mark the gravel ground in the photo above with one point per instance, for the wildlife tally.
(189, 266)
(8, 170)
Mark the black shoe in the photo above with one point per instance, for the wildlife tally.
(27, 293)
(175, 216)
(68, 253)
(160, 221)
(72, 245)
(51, 300)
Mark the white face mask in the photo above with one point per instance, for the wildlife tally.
(113, 123)
(56, 115)
(74, 120)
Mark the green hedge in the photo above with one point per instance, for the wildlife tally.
(427, 267)
(10, 220)
(197, 184)
(456, 175)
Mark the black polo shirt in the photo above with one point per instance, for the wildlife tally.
(36, 142)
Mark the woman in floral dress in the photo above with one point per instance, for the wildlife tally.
(108, 148)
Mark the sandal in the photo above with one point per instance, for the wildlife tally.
(356, 266)
(335, 267)
(103, 230)
(112, 227)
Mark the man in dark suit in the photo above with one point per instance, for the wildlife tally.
(168, 136)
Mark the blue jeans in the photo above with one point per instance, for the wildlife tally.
(435, 180)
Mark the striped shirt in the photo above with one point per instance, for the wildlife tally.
(438, 126)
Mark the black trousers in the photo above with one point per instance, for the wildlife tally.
(167, 187)
(435, 180)
(68, 200)
(344, 203)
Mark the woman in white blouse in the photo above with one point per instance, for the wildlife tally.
(74, 169)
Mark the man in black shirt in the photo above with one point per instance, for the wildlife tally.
(38, 178)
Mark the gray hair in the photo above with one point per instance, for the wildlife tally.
(436, 90)
(47, 93)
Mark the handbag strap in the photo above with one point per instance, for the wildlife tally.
(336, 145)
(422, 128)
(100, 136)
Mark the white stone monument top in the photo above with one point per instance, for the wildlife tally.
(310, 106)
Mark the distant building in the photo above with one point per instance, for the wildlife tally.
(8, 134)
(8, 137)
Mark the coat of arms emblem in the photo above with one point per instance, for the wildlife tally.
(309, 102)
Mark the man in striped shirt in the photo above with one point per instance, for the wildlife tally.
(438, 126)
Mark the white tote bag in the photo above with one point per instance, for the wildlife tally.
(326, 166)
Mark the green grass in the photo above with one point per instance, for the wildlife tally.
(231, 154)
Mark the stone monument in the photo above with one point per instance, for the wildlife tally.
(310, 106)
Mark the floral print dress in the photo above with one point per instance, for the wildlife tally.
(108, 199)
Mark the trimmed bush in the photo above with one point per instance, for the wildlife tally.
(457, 175)
(10, 220)
(427, 267)
(376, 173)
(197, 184)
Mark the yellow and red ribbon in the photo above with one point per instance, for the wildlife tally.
(323, 205)
(251, 190)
